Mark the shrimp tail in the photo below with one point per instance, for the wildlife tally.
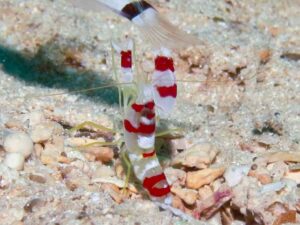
(157, 29)
(162, 33)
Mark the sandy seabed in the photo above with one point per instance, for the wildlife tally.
(238, 108)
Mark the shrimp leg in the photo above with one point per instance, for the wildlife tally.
(128, 168)
(92, 124)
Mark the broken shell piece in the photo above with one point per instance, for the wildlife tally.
(199, 156)
(187, 195)
(287, 217)
(204, 192)
(293, 176)
(103, 154)
(254, 147)
(199, 178)
(14, 160)
(212, 203)
(113, 191)
(294, 167)
(277, 208)
(234, 174)
(227, 216)
(263, 178)
(277, 170)
(177, 203)
(283, 156)
(178, 145)
(175, 176)
(50, 154)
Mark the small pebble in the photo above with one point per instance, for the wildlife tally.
(14, 124)
(19, 143)
(234, 174)
(17, 213)
(41, 133)
(33, 203)
(37, 178)
(14, 160)
(36, 118)
(103, 154)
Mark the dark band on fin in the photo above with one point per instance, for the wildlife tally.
(133, 9)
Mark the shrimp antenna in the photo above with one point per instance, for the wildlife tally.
(29, 96)
(115, 73)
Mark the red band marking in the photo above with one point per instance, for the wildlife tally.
(150, 105)
(146, 129)
(126, 59)
(150, 116)
(149, 154)
(150, 182)
(167, 91)
(163, 63)
(128, 126)
(137, 107)
(143, 128)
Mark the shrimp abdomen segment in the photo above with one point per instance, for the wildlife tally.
(164, 85)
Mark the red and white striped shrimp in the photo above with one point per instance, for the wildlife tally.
(159, 31)
(139, 136)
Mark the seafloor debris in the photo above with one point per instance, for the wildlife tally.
(199, 156)
(249, 70)
(199, 178)
(187, 195)
(234, 174)
(264, 192)
(18, 146)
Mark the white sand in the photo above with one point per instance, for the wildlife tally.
(38, 36)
